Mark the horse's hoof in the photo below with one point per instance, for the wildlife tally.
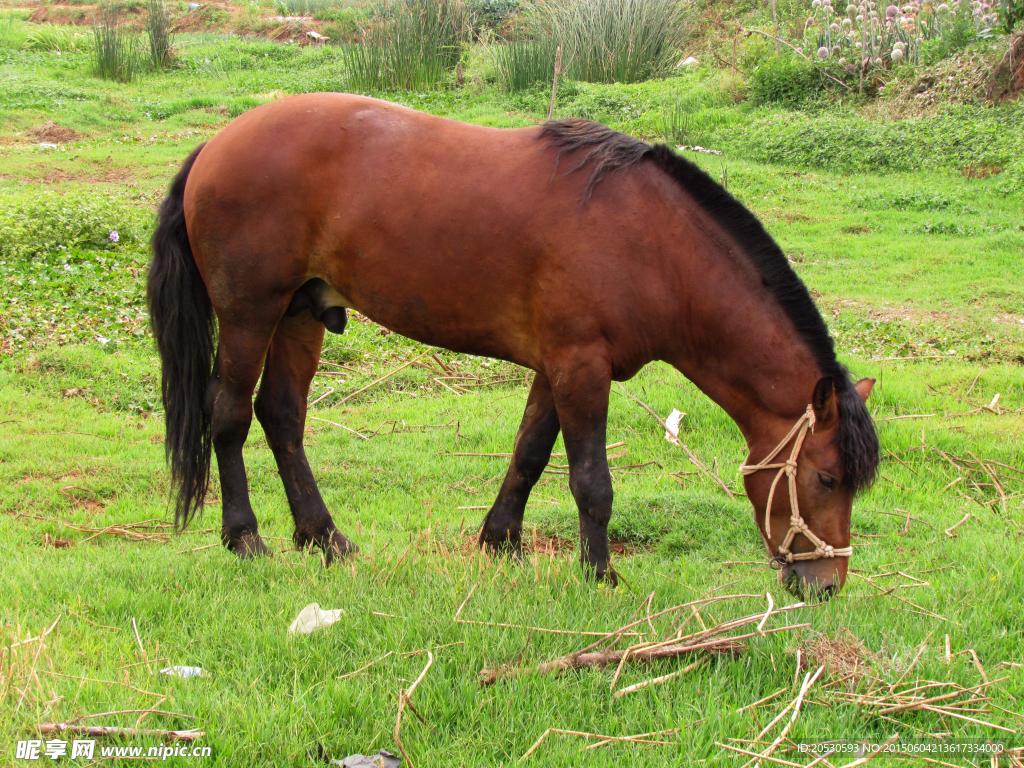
(336, 545)
(506, 547)
(339, 547)
(248, 546)
(601, 574)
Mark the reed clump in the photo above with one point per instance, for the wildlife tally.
(117, 48)
(409, 45)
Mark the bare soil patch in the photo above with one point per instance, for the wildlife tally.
(53, 133)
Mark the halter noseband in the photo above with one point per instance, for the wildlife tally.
(796, 521)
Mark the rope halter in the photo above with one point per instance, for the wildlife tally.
(796, 521)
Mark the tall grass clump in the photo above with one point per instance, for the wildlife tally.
(47, 37)
(612, 41)
(525, 63)
(12, 34)
(409, 45)
(158, 26)
(697, 118)
(117, 49)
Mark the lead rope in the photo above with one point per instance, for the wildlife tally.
(796, 521)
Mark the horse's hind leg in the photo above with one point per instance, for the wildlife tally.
(292, 361)
(240, 354)
(503, 526)
(581, 398)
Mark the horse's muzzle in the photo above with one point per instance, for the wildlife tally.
(812, 580)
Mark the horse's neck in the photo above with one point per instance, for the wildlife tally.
(754, 365)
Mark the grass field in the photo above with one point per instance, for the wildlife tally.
(917, 272)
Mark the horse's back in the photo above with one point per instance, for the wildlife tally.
(458, 235)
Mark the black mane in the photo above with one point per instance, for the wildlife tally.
(607, 150)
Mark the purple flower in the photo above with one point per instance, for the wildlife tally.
(823, 52)
(891, 11)
(113, 236)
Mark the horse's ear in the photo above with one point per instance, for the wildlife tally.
(824, 399)
(863, 388)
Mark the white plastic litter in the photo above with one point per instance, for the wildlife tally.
(672, 426)
(312, 618)
(382, 759)
(182, 671)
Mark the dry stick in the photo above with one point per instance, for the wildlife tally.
(765, 700)
(434, 648)
(336, 424)
(911, 416)
(714, 476)
(971, 388)
(325, 394)
(367, 666)
(144, 715)
(31, 674)
(603, 658)
(949, 531)
(457, 620)
(33, 639)
(771, 605)
(129, 712)
(197, 549)
(874, 754)
(808, 682)
(913, 664)
(101, 626)
(949, 658)
(385, 377)
(780, 40)
(554, 83)
(977, 665)
(138, 639)
(632, 739)
(110, 730)
(659, 614)
(632, 688)
(404, 697)
(933, 700)
(757, 755)
(613, 739)
(105, 682)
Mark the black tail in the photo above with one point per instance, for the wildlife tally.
(183, 324)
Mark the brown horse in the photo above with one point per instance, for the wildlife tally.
(572, 250)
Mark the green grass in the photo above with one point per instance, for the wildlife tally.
(906, 262)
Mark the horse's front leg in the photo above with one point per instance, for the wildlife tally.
(503, 527)
(582, 381)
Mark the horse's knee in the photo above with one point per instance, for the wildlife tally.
(230, 416)
(594, 496)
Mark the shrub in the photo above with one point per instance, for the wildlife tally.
(45, 222)
(158, 25)
(118, 51)
(786, 80)
(409, 45)
(612, 41)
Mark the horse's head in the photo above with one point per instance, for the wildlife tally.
(810, 541)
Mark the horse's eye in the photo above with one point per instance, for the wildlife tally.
(828, 482)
